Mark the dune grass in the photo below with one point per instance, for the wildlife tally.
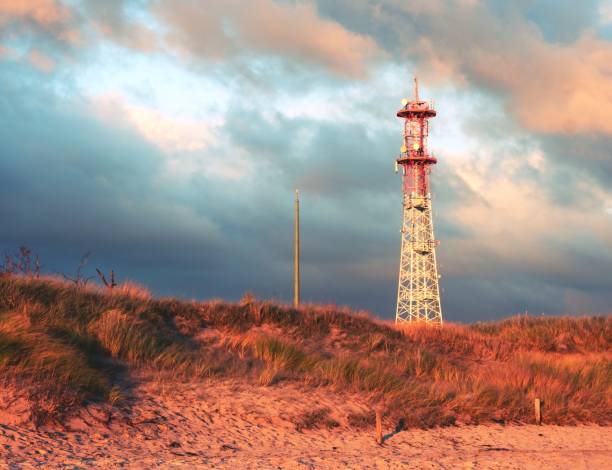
(64, 345)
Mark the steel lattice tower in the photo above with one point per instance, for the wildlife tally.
(418, 294)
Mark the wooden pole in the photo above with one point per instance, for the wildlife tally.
(379, 436)
(296, 263)
(538, 411)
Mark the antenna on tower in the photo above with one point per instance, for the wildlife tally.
(296, 262)
(416, 89)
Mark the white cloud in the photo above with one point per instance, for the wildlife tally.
(605, 12)
(170, 133)
(190, 146)
(225, 28)
(516, 223)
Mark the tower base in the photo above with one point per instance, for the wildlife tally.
(418, 294)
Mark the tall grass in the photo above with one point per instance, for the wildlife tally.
(64, 345)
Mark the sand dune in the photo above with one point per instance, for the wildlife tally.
(230, 425)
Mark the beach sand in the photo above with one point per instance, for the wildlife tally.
(229, 425)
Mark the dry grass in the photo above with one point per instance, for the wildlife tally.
(315, 419)
(64, 345)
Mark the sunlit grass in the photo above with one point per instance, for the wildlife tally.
(63, 345)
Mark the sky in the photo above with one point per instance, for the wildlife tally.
(167, 137)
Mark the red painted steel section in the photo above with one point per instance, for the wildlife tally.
(415, 158)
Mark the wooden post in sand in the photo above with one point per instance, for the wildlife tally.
(379, 436)
(538, 411)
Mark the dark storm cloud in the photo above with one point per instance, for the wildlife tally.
(329, 158)
(590, 153)
(75, 181)
(498, 288)
(71, 184)
(346, 204)
(369, 211)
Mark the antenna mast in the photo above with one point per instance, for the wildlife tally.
(296, 263)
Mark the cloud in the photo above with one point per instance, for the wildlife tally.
(605, 12)
(70, 30)
(112, 19)
(554, 89)
(228, 28)
(505, 236)
(549, 86)
(43, 12)
(74, 183)
(190, 190)
(39, 21)
(170, 134)
(189, 146)
(562, 23)
(39, 32)
(292, 33)
(41, 61)
(517, 231)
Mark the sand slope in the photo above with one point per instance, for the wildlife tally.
(232, 426)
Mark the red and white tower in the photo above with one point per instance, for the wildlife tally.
(418, 295)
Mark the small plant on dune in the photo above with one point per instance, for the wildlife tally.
(247, 299)
(79, 279)
(126, 337)
(362, 420)
(115, 396)
(375, 342)
(132, 290)
(109, 283)
(53, 374)
(270, 375)
(281, 354)
(315, 419)
(25, 262)
(279, 357)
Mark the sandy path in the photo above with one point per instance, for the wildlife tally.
(228, 426)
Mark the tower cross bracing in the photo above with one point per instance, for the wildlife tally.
(418, 294)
